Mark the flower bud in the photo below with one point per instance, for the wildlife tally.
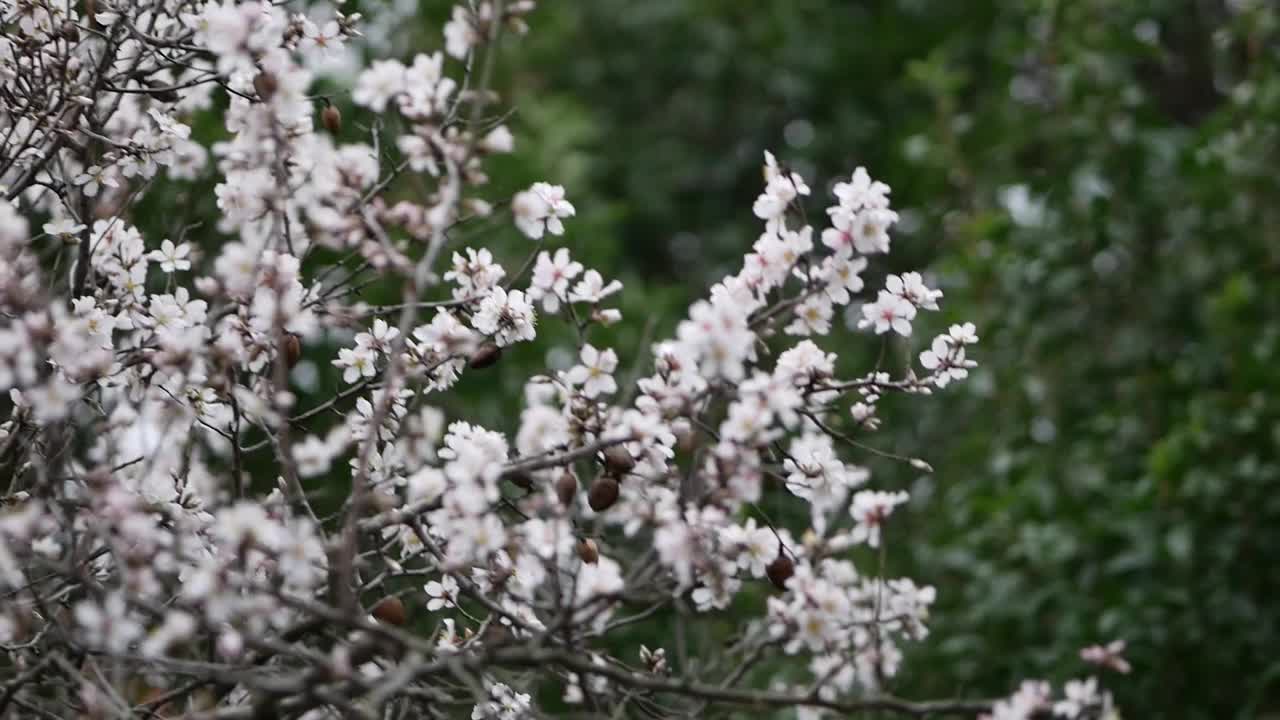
(484, 356)
(618, 460)
(332, 119)
(603, 493)
(390, 610)
(780, 570)
(588, 551)
(566, 488)
(265, 84)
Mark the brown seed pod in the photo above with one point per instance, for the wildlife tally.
(70, 31)
(484, 356)
(332, 119)
(780, 570)
(588, 551)
(618, 460)
(292, 349)
(566, 488)
(265, 84)
(90, 9)
(603, 493)
(390, 610)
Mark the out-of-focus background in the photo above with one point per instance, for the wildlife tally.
(1094, 183)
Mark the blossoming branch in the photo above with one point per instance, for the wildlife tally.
(147, 571)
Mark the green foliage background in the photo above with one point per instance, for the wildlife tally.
(1092, 182)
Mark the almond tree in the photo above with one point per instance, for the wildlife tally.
(147, 573)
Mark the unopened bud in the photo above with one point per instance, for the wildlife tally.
(919, 464)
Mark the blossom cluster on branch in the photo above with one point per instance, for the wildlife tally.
(146, 572)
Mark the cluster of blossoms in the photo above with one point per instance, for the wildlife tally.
(163, 548)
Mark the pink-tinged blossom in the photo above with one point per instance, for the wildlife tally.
(910, 287)
(1031, 699)
(861, 192)
(888, 312)
(595, 374)
(379, 84)
(592, 288)
(172, 257)
(1109, 656)
(540, 209)
(356, 363)
(507, 317)
(551, 277)
(870, 509)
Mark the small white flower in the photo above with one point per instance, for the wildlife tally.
(540, 209)
(377, 85)
(888, 312)
(592, 288)
(172, 257)
(861, 192)
(910, 287)
(506, 316)
(443, 593)
(870, 508)
(551, 278)
(595, 374)
(357, 363)
(95, 178)
(65, 229)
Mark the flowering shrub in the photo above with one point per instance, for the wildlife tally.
(145, 571)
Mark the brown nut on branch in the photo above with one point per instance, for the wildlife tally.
(292, 350)
(588, 551)
(618, 460)
(566, 488)
(603, 493)
(265, 84)
(390, 610)
(780, 570)
(331, 117)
